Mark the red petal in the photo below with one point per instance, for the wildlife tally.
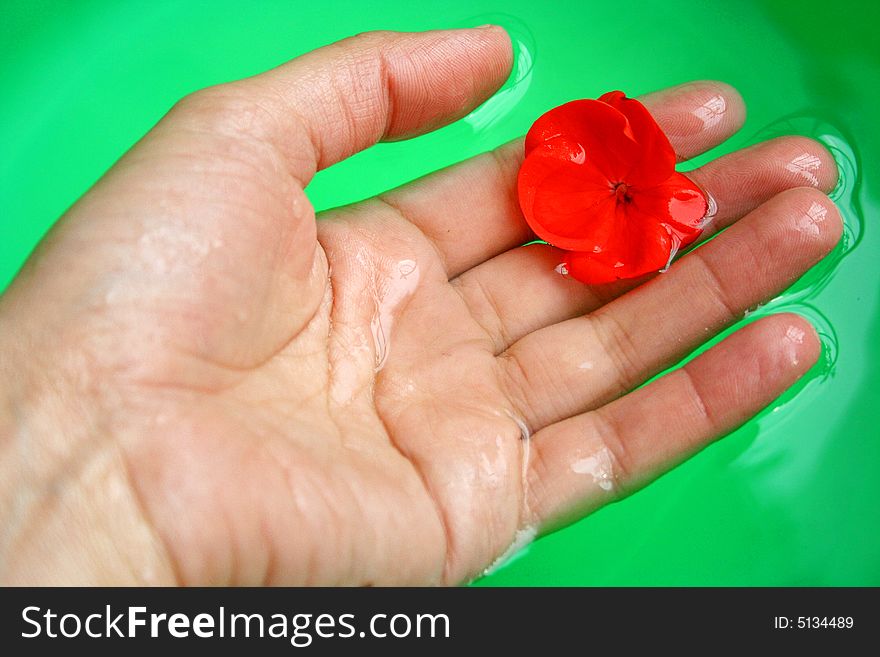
(684, 239)
(565, 199)
(575, 154)
(601, 130)
(657, 157)
(677, 201)
(638, 246)
(585, 268)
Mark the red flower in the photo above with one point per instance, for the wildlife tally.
(599, 181)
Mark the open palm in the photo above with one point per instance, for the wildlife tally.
(226, 391)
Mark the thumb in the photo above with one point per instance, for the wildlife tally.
(201, 238)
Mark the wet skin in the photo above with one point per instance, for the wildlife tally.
(204, 385)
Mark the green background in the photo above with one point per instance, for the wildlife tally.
(790, 498)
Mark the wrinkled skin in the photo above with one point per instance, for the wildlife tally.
(203, 385)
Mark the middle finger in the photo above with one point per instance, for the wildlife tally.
(519, 292)
(581, 363)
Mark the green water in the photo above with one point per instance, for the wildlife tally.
(790, 498)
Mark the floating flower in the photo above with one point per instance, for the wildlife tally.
(599, 182)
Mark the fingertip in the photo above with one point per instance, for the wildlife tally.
(735, 102)
(753, 366)
(805, 161)
(697, 116)
(442, 75)
(497, 32)
(499, 51)
(741, 181)
(830, 171)
(797, 344)
(705, 92)
(490, 45)
(812, 217)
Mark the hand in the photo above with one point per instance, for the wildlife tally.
(201, 384)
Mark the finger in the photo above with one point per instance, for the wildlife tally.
(328, 104)
(588, 460)
(301, 117)
(583, 362)
(697, 116)
(743, 180)
(519, 292)
(202, 234)
(470, 211)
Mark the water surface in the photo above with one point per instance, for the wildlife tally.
(791, 497)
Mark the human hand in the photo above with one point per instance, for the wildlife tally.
(202, 385)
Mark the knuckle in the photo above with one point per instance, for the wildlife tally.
(620, 347)
(208, 102)
(622, 465)
(519, 383)
(539, 478)
(491, 313)
(753, 256)
(372, 38)
(227, 109)
(363, 54)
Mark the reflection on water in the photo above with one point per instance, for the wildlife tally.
(800, 297)
(517, 84)
(771, 465)
(783, 500)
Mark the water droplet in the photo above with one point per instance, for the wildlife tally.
(711, 211)
(521, 540)
(599, 466)
(388, 296)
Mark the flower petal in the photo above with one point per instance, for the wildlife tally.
(677, 201)
(638, 246)
(576, 155)
(565, 199)
(586, 268)
(640, 242)
(656, 161)
(601, 130)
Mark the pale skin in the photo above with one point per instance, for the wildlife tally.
(192, 393)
